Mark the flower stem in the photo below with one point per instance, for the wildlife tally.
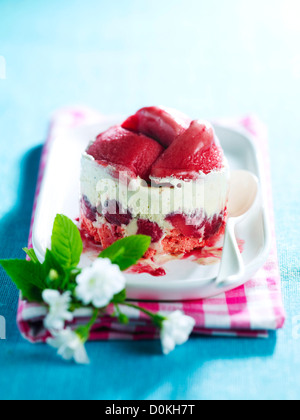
(70, 277)
(94, 318)
(85, 330)
(156, 318)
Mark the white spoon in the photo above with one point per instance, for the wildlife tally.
(242, 197)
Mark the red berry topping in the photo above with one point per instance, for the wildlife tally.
(128, 151)
(163, 125)
(193, 151)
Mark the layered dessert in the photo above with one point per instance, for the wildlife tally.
(158, 174)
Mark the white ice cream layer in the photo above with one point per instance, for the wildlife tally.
(204, 196)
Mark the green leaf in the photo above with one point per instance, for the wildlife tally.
(66, 242)
(128, 251)
(27, 276)
(120, 297)
(31, 254)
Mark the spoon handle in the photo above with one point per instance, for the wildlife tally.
(232, 264)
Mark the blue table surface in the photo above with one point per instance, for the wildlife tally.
(209, 59)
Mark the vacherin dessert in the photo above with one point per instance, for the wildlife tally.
(158, 174)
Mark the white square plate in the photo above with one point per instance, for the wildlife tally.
(185, 280)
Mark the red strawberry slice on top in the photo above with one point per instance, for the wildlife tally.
(196, 150)
(162, 124)
(127, 151)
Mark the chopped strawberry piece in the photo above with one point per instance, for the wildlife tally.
(89, 211)
(196, 150)
(181, 223)
(145, 227)
(197, 227)
(213, 225)
(162, 124)
(115, 215)
(128, 151)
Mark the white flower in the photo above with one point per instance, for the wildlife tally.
(176, 330)
(58, 309)
(70, 346)
(99, 283)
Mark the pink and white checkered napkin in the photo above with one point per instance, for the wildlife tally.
(248, 311)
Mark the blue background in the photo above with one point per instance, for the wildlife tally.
(208, 58)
